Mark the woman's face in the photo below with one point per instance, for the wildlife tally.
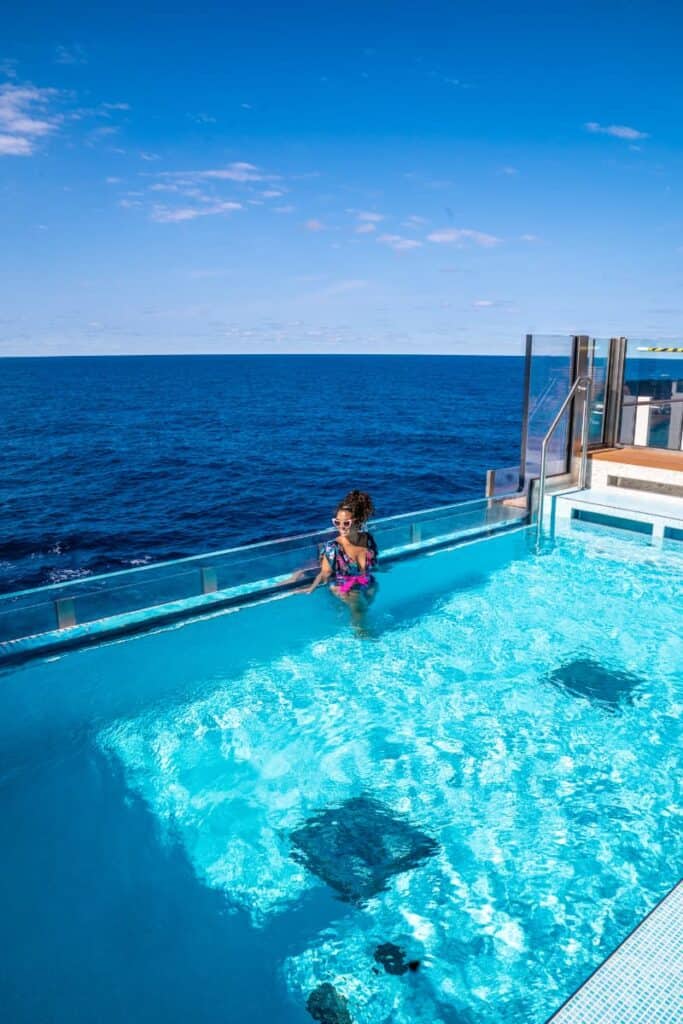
(343, 520)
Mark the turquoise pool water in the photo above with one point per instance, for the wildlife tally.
(215, 820)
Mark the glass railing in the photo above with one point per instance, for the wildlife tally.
(504, 480)
(652, 404)
(598, 368)
(46, 616)
(652, 422)
(550, 378)
(652, 400)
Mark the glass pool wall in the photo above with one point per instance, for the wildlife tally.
(230, 815)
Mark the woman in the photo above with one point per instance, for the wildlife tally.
(352, 555)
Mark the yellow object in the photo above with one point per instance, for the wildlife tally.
(659, 348)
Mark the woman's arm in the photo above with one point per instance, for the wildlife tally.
(324, 574)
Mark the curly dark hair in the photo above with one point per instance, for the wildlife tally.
(359, 504)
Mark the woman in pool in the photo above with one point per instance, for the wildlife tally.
(352, 555)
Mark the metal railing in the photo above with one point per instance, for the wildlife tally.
(580, 384)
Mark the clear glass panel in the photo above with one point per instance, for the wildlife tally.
(650, 379)
(549, 382)
(505, 480)
(20, 619)
(226, 575)
(627, 428)
(652, 374)
(666, 424)
(598, 363)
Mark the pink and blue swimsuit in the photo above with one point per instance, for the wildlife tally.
(348, 574)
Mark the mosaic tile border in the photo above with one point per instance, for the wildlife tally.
(641, 982)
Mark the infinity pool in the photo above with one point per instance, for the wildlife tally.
(451, 814)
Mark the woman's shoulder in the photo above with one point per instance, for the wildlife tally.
(369, 542)
(329, 549)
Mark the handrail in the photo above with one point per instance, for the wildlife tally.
(651, 400)
(581, 383)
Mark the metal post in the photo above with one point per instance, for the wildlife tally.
(209, 580)
(66, 612)
(528, 352)
(614, 392)
(582, 367)
(584, 435)
(490, 483)
(641, 433)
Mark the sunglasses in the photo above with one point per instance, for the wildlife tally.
(342, 522)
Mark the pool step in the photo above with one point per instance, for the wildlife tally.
(658, 470)
(659, 516)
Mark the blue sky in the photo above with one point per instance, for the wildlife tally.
(371, 177)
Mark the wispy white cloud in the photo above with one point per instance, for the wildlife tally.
(112, 181)
(287, 208)
(398, 243)
(26, 115)
(74, 54)
(239, 171)
(209, 272)
(413, 221)
(439, 76)
(618, 131)
(504, 305)
(460, 236)
(529, 238)
(171, 215)
(314, 225)
(15, 145)
(272, 193)
(367, 221)
(103, 131)
(202, 118)
(29, 114)
(427, 182)
(511, 171)
(338, 288)
(149, 157)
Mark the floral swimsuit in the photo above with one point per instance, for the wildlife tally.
(348, 574)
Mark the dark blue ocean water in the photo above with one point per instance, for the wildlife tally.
(111, 462)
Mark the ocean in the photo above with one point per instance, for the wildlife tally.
(111, 462)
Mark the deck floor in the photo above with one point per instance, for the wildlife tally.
(653, 458)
